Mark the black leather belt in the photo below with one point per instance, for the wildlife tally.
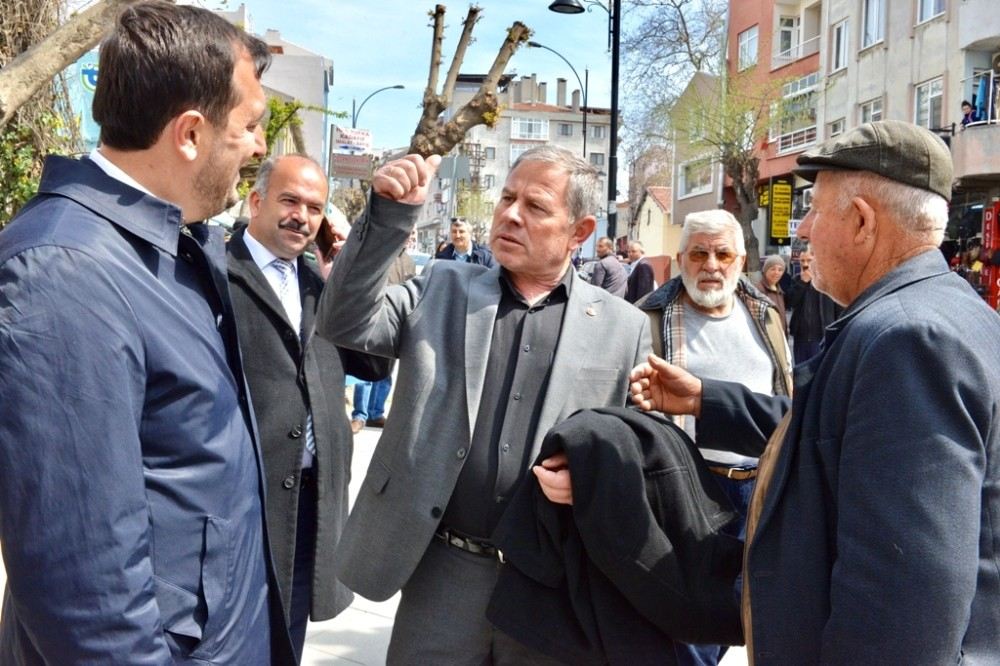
(474, 546)
(735, 473)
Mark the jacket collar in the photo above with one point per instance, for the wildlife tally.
(153, 220)
(921, 267)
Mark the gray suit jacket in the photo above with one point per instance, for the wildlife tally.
(439, 325)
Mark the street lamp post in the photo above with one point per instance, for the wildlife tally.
(614, 10)
(356, 111)
(583, 87)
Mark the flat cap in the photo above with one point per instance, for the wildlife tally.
(897, 150)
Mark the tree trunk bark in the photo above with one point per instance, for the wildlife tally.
(29, 72)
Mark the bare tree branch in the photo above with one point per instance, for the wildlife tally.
(463, 43)
(431, 137)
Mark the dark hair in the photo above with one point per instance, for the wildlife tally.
(161, 60)
(965, 102)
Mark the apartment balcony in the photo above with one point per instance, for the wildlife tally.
(975, 153)
(979, 25)
(796, 52)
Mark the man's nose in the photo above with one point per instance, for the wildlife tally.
(805, 226)
(260, 144)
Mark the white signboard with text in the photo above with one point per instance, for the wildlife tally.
(354, 139)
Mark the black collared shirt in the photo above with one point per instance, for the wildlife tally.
(517, 373)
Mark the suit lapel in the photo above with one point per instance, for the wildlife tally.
(484, 299)
(803, 376)
(584, 308)
(309, 293)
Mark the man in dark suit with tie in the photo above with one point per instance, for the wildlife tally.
(296, 385)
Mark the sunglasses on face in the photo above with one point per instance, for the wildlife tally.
(724, 257)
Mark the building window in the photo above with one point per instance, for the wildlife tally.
(928, 9)
(597, 159)
(788, 36)
(748, 47)
(489, 180)
(696, 178)
(529, 128)
(797, 128)
(874, 22)
(491, 152)
(839, 46)
(517, 148)
(598, 131)
(565, 129)
(871, 111)
(928, 104)
(836, 128)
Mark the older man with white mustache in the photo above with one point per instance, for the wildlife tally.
(715, 323)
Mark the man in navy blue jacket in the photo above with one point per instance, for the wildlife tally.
(131, 486)
(463, 248)
(874, 530)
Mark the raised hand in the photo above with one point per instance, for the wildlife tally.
(664, 387)
(406, 180)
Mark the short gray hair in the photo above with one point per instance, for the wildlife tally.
(460, 221)
(266, 168)
(716, 221)
(922, 214)
(583, 189)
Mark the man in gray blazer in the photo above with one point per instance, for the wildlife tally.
(296, 384)
(489, 360)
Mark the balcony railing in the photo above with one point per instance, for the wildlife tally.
(801, 50)
(797, 140)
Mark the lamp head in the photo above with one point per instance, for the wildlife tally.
(566, 7)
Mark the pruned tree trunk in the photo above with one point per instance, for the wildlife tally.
(431, 137)
(744, 171)
(34, 69)
(298, 139)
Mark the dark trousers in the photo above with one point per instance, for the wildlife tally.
(442, 615)
(305, 547)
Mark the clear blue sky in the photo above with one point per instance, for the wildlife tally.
(377, 43)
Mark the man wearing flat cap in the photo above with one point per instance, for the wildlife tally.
(874, 530)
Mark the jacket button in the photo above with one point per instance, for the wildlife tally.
(460, 453)
(295, 432)
(289, 482)
(436, 512)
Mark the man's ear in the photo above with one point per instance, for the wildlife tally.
(863, 217)
(582, 229)
(187, 134)
(254, 200)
